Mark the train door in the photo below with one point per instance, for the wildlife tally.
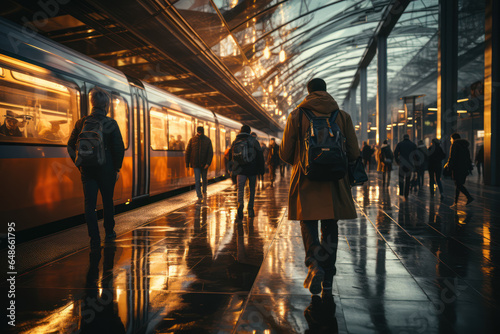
(140, 147)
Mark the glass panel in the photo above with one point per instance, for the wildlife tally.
(36, 109)
(179, 129)
(158, 121)
(119, 112)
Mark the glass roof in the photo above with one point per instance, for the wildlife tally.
(274, 47)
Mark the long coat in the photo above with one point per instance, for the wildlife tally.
(459, 161)
(314, 200)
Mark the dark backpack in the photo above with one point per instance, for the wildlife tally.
(323, 155)
(90, 149)
(244, 151)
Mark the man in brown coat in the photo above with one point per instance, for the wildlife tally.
(199, 155)
(310, 201)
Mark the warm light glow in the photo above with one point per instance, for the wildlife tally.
(285, 94)
(270, 88)
(410, 118)
(280, 113)
(373, 128)
(389, 126)
(480, 133)
(39, 82)
(461, 111)
(401, 124)
(356, 127)
(267, 52)
(409, 125)
(276, 111)
(282, 56)
(432, 109)
(401, 111)
(234, 3)
(463, 100)
(18, 63)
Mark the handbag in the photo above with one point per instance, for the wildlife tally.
(357, 173)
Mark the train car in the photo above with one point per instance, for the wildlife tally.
(45, 88)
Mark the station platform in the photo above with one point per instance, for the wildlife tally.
(414, 266)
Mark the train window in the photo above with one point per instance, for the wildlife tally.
(210, 130)
(119, 112)
(158, 122)
(180, 130)
(35, 109)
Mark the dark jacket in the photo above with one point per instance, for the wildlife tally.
(256, 166)
(404, 153)
(367, 152)
(436, 156)
(273, 156)
(113, 141)
(199, 152)
(5, 132)
(459, 161)
(386, 153)
(421, 159)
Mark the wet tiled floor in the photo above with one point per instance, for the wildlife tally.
(413, 266)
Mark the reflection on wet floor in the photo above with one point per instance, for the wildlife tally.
(402, 266)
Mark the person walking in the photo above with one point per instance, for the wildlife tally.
(436, 156)
(312, 201)
(98, 176)
(366, 153)
(273, 159)
(248, 162)
(387, 157)
(421, 161)
(199, 155)
(404, 158)
(460, 163)
(479, 160)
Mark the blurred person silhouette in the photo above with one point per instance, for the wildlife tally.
(180, 143)
(273, 159)
(387, 158)
(421, 161)
(404, 158)
(96, 177)
(248, 162)
(310, 201)
(460, 164)
(366, 153)
(479, 160)
(436, 156)
(199, 155)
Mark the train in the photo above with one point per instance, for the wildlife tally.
(44, 89)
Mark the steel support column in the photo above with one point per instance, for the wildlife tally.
(381, 88)
(447, 70)
(492, 94)
(364, 104)
(353, 109)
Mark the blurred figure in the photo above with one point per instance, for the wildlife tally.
(436, 156)
(172, 143)
(404, 158)
(180, 143)
(387, 158)
(460, 165)
(273, 160)
(246, 167)
(366, 154)
(100, 178)
(265, 152)
(421, 161)
(199, 155)
(11, 125)
(479, 160)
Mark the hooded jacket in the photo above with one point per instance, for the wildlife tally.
(256, 166)
(313, 200)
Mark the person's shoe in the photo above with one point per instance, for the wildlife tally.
(240, 212)
(314, 278)
(469, 200)
(454, 205)
(110, 237)
(199, 200)
(251, 213)
(326, 289)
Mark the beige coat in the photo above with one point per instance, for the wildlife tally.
(314, 200)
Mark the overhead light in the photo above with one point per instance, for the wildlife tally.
(394, 124)
(410, 118)
(270, 88)
(462, 100)
(401, 111)
(282, 56)
(267, 52)
(356, 127)
(432, 109)
(461, 111)
(401, 124)
(409, 125)
(373, 128)
(389, 126)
